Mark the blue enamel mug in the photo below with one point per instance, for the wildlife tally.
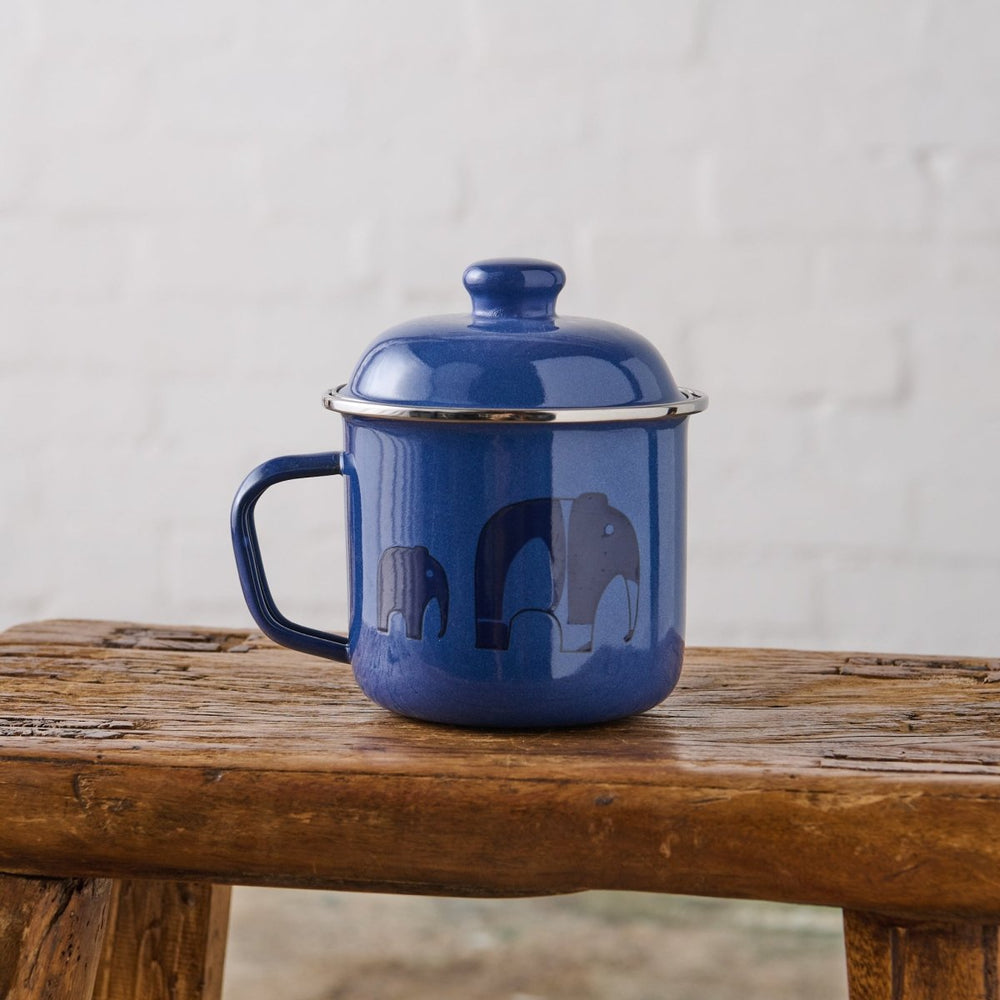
(515, 485)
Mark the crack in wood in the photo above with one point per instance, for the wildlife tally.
(178, 640)
(912, 668)
(91, 729)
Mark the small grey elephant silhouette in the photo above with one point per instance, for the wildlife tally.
(598, 545)
(409, 578)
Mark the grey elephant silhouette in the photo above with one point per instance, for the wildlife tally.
(598, 545)
(409, 578)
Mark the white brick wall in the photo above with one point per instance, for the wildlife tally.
(208, 209)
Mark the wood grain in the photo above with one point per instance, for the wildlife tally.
(50, 936)
(864, 781)
(906, 960)
(165, 941)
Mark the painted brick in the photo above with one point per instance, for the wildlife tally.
(147, 177)
(65, 410)
(521, 33)
(970, 194)
(612, 189)
(285, 413)
(417, 276)
(695, 105)
(957, 495)
(893, 278)
(208, 210)
(44, 260)
(72, 89)
(29, 552)
(837, 38)
(311, 181)
(361, 36)
(544, 102)
(822, 74)
(44, 333)
(969, 278)
(750, 599)
(956, 508)
(240, 92)
(248, 261)
(689, 280)
(120, 22)
(957, 355)
(911, 605)
(870, 442)
(956, 98)
(262, 344)
(812, 509)
(821, 193)
(734, 439)
(802, 358)
(78, 567)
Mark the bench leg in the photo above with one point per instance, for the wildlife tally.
(51, 931)
(889, 959)
(165, 941)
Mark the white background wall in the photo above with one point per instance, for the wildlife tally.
(209, 207)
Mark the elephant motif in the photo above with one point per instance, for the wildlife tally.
(598, 544)
(409, 578)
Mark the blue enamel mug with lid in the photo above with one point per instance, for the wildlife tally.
(515, 486)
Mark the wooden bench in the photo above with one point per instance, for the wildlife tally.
(145, 770)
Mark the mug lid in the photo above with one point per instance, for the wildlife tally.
(513, 357)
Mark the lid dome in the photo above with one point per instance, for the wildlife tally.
(512, 352)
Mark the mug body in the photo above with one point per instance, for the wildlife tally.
(518, 576)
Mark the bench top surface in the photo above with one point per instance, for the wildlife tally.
(849, 779)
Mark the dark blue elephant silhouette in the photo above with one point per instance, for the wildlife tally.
(598, 545)
(409, 578)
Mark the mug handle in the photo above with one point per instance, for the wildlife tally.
(248, 560)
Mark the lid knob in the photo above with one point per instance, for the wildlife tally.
(514, 288)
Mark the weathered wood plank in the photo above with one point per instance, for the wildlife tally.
(165, 941)
(50, 936)
(733, 707)
(891, 959)
(856, 780)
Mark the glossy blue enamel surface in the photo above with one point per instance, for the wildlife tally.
(249, 563)
(475, 626)
(513, 352)
(516, 574)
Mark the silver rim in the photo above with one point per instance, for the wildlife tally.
(341, 402)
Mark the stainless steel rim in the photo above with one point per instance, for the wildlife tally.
(693, 402)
